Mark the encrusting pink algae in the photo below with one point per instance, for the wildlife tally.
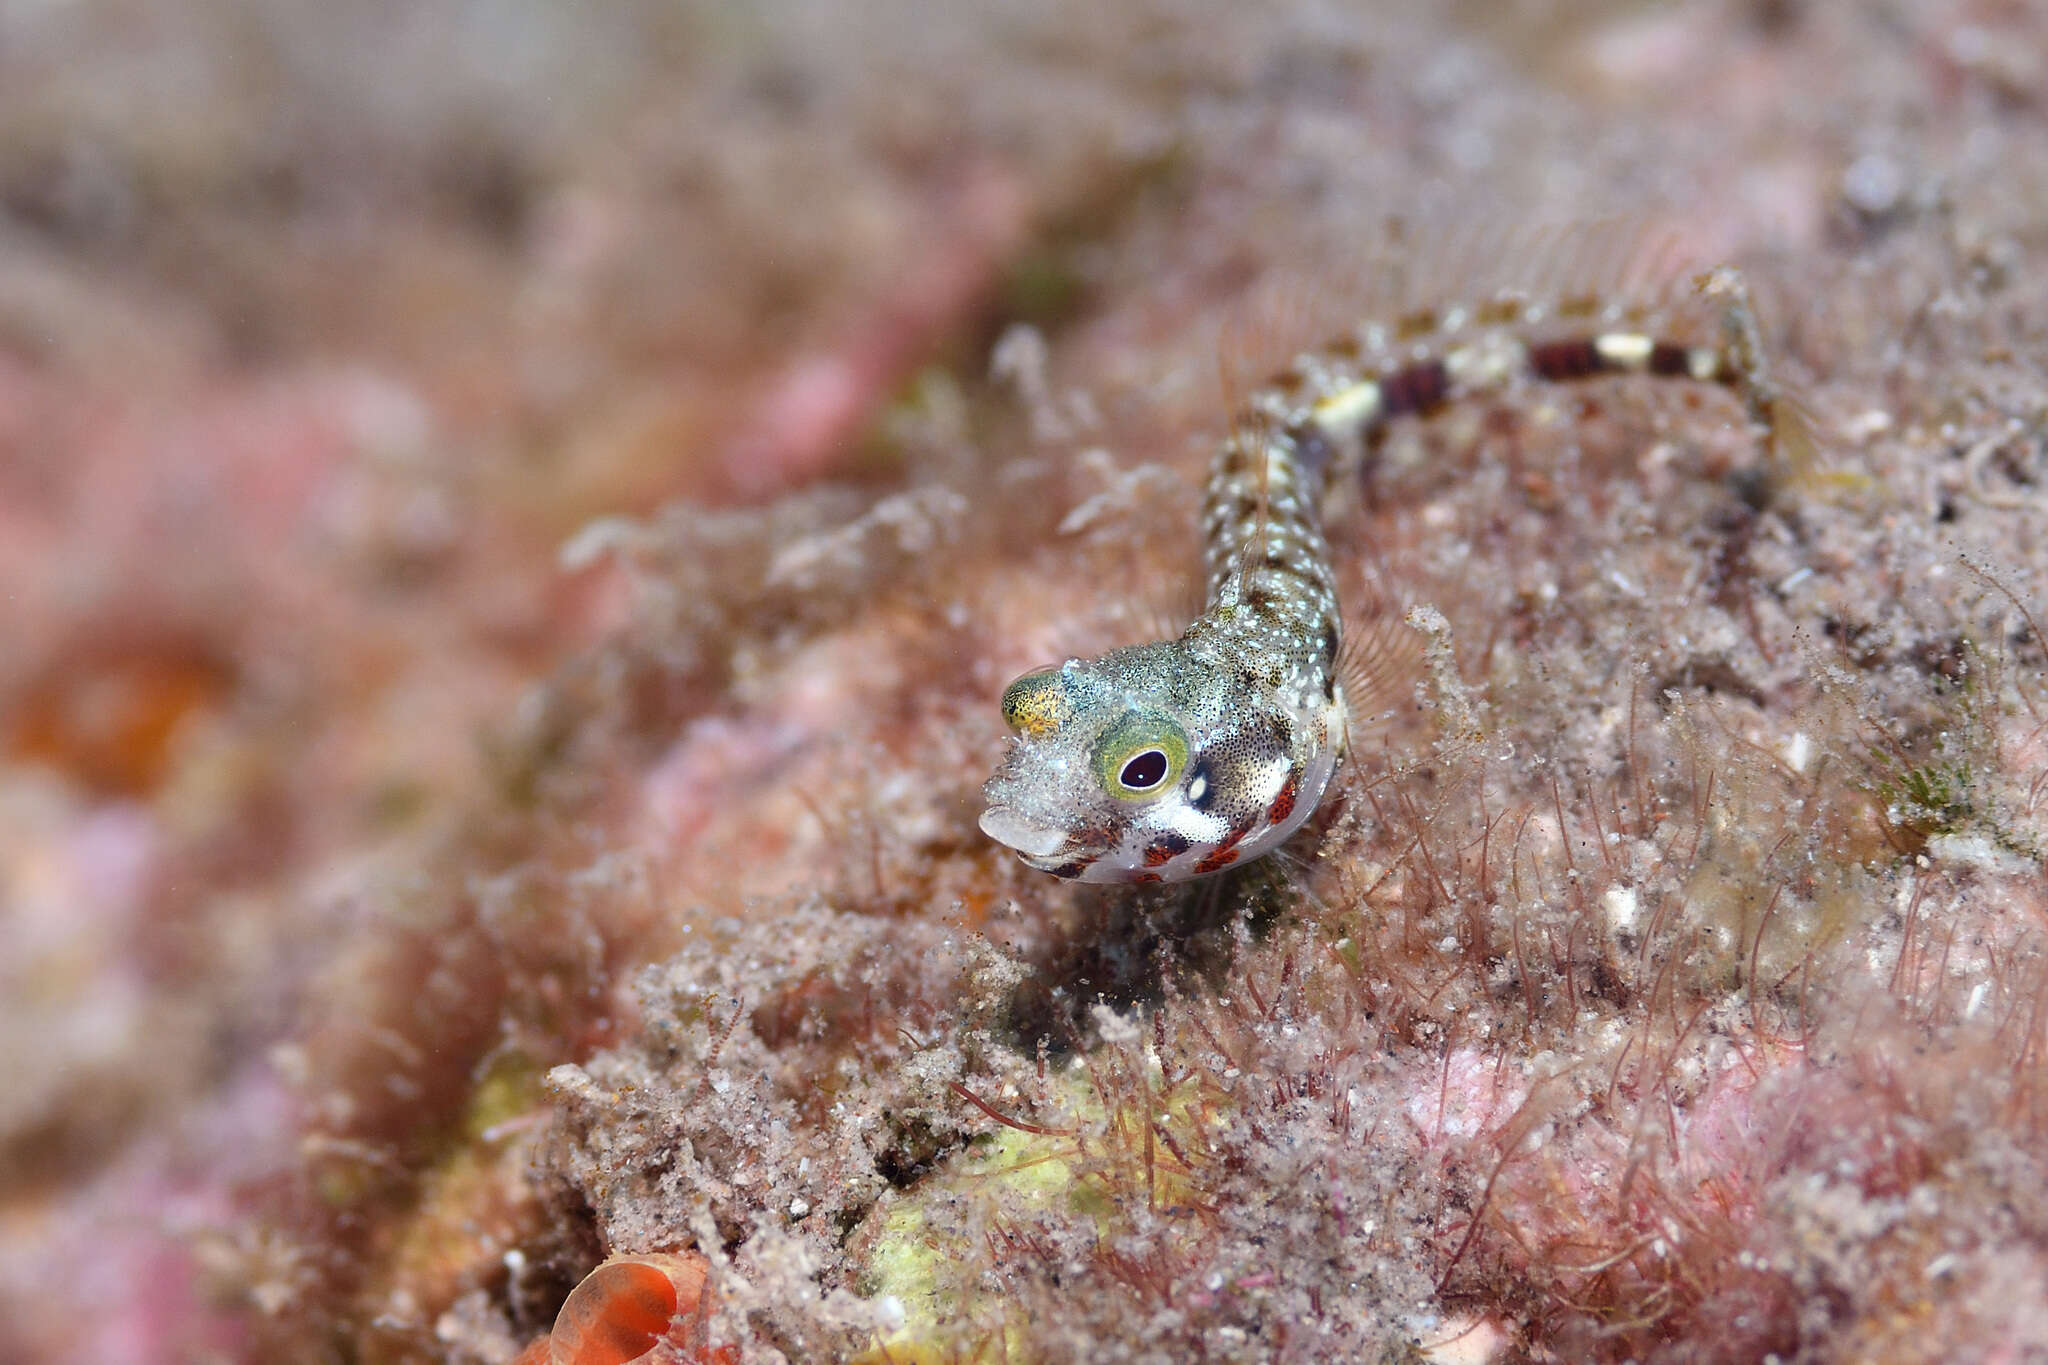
(514, 533)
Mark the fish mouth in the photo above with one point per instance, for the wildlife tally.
(1040, 845)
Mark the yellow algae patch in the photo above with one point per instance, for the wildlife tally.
(1121, 1158)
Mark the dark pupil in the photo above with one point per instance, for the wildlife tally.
(1146, 770)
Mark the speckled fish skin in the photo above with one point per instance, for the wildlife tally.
(1242, 717)
(1169, 761)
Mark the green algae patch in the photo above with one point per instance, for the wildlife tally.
(1037, 1201)
(928, 1247)
(509, 1088)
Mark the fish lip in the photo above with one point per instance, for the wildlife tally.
(1037, 844)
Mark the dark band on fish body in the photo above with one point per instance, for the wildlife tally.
(1414, 389)
(1569, 359)
(1668, 361)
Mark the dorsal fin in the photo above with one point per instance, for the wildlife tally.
(1379, 661)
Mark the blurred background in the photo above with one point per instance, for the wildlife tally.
(326, 326)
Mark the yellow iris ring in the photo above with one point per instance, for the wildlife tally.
(1133, 736)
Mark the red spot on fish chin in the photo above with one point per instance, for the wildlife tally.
(1221, 856)
(1166, 848)
(1283, 804)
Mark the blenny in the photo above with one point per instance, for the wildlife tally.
(1172, 760)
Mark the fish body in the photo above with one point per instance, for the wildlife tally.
(1167, 761)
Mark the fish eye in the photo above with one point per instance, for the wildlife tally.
(1141, 756)
(1144, 771)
